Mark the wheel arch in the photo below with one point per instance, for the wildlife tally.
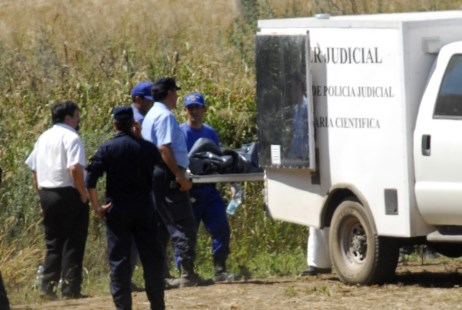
(339, 193)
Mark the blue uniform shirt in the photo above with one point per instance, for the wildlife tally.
(128, 163)
(137, 115)
(194, 134)
(161, 128)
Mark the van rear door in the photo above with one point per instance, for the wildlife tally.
(284, 102)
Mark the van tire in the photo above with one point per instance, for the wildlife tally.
(358, 255)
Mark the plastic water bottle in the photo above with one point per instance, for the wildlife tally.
(236, 198)
(39, 277)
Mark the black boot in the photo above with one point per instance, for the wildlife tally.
(189, 277)
(220, 271)
(170, 281)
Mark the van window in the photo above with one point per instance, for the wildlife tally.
(282, 101)
(449, 101)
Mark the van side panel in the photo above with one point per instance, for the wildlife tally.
(367, 81)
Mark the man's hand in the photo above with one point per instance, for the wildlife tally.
(169, 159)
(185, 184)
(101, 210)
(84, 197)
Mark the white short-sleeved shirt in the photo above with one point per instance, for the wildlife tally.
(55, 151)
(161, 128)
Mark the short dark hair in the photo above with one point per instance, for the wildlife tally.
(61, 109)
(123, 118)
(125, 125)
(161, 87)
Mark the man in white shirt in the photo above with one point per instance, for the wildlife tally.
(57, 163)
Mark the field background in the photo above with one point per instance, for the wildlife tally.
(93, 52)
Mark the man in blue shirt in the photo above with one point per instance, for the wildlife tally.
(141, 103)
(208, 206)
(141, 100)
(128, 162)
(194, 128)
(171, 185)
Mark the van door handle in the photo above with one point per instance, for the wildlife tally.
(426, 145)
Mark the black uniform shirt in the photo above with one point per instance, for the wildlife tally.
(128, 163)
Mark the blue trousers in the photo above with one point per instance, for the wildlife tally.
(125, 224)
(209, 208)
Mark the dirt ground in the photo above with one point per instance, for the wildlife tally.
(418, 285)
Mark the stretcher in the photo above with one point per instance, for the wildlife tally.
(230, 178)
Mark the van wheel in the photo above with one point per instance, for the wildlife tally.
(358, 255)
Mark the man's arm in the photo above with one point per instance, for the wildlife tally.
(34, 179)
(76, 172)
(93, 194)
(169, 159)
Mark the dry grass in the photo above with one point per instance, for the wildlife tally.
(93, 51)
(17, 263)
(143, 22)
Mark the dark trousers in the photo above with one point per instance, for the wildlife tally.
(65, 218)
(176, 217)
(127, 223)
(4, 303)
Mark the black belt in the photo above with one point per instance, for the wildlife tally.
(165, 167)
(56, 188)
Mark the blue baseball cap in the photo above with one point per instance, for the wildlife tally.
(194, 98)
(143, 89)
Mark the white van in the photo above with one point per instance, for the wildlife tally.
(360, 130)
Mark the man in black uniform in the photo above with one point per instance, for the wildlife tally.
(4, 303)
(128, 162)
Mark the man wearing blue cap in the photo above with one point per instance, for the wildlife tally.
(141, 103)
(171, 184)
(208, 206)
(141, 100)
(128, 162)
